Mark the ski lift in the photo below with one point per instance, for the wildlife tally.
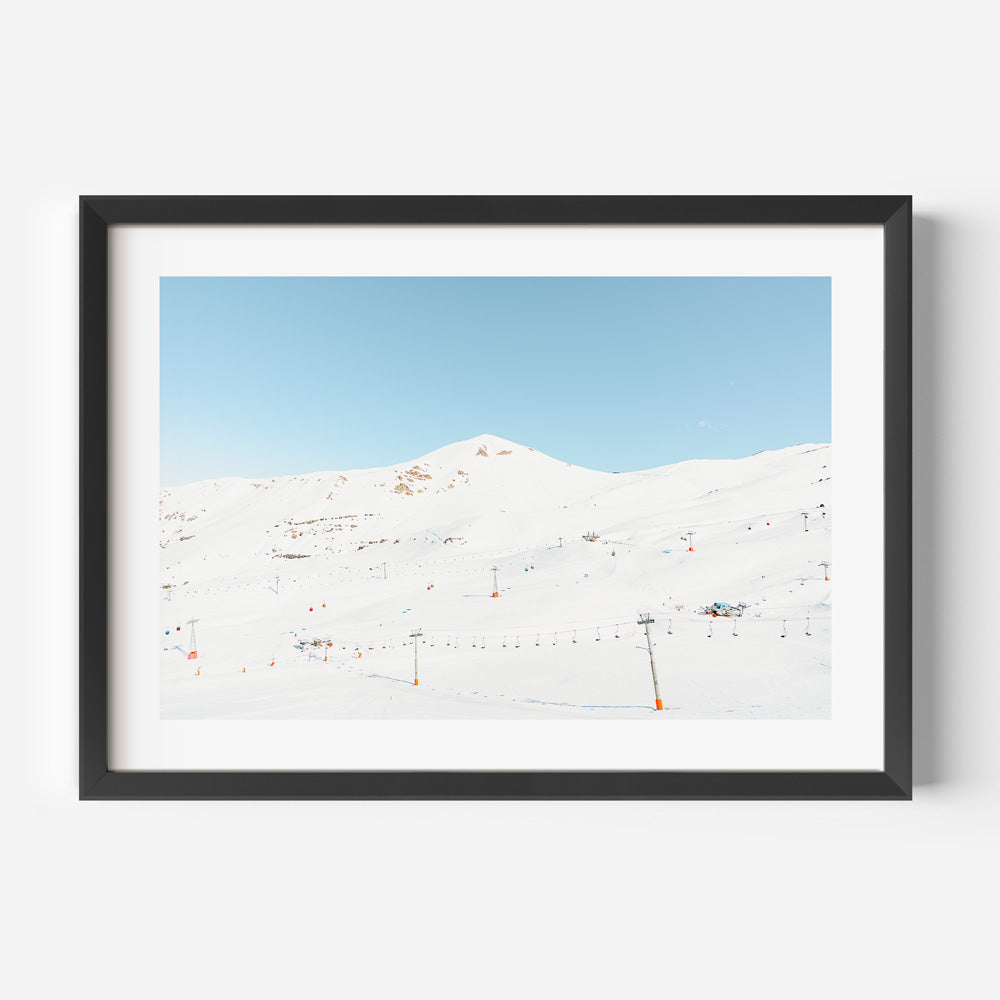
(597, 638)
(517, 643)
(554, 640)
(709, 630)
(574, 636)
(617, 636)
(670, 622)
(503, 645)
(784, 631)
(537, 637)
(734, 630)
(807, 627)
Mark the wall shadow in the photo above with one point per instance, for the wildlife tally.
(928, 499)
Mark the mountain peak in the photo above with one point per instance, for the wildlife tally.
(480, 446)
(493, 443)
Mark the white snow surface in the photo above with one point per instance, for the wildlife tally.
(362, 558)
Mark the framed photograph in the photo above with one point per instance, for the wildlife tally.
(495, 497)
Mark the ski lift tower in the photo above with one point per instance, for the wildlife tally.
(646, 620)
(591, 536)
(496, 589)
(192, 645)
(690, 540)
(826, 569)
(414, 635)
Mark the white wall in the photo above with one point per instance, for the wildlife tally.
(494, 900)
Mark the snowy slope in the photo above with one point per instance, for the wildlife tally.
(361, 558)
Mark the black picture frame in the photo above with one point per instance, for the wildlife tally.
(97, 214)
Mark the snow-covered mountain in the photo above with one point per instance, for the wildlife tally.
(360, 558)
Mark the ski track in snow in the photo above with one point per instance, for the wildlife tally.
(561, 641)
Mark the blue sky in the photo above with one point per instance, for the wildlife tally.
(274, 376)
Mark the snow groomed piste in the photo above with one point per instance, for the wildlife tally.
(487, 580)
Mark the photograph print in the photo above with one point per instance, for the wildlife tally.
(495, 498)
